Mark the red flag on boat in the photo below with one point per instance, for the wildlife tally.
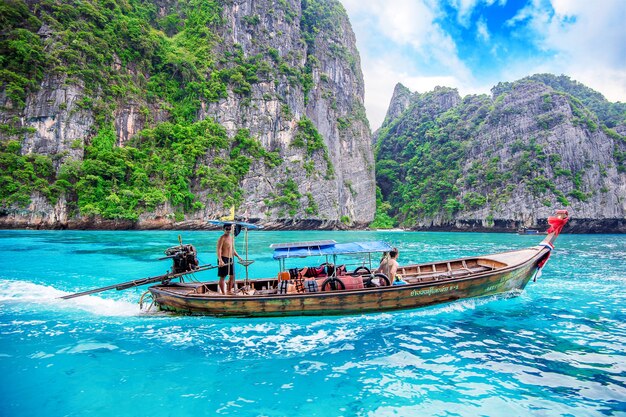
(557, 222)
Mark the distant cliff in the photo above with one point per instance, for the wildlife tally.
(504, 161)
(124, 114)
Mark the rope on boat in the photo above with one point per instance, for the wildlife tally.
(191, 277)
(141, 301)
(542, 262)
(244, 262)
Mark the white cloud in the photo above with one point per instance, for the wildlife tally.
(382, 76)
(464, 10)
(482, 30)
(401, 41)
(415, 40)
(567, 7)
(406, 22)
(533, 11)
(588, 39)
(386, 73)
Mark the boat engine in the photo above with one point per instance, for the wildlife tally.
(184, 257)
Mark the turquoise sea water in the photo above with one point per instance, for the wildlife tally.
(558, 349)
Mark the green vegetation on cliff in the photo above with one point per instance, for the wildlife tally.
(20, 174)
(445, 156)
(610, 114)
(159, 166)
(168, 57)
(419, 158)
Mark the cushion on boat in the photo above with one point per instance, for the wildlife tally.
(352, 283)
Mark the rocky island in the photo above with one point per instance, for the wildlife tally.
(152, 115)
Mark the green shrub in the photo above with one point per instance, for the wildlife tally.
(473, 200)
(312, 208)
(579, 195)
(288, 198)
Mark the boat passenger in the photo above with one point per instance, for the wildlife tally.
(225, 251)
(389, 265)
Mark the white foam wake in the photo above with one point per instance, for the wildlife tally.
(25, 292)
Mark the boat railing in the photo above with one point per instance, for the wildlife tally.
(441, 275)
(447, 270)
(412, 274)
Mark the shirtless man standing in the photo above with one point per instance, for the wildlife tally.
(226, 266)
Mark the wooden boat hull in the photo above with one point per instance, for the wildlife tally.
(507, 279)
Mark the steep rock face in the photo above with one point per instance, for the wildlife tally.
(504, 162)
(334, 105)
(55, 130)
(545, 117)
(401, 99)
(334, 184)
(420, 107)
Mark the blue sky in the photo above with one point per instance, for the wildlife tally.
(474, 44)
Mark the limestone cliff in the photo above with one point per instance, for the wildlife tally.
(285, 75)
(401, 99)
(504, 161)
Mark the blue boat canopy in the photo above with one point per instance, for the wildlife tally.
(304, 249)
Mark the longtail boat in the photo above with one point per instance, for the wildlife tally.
(337, 291)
